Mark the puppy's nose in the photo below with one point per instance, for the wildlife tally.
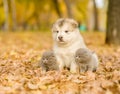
(60, 38)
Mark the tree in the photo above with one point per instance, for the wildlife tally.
(113, 23)
(57, 8)
(6, 25)
(95, 16)
(68, 7)
(13, 8)
(1, 4)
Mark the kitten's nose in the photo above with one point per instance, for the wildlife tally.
(45, 60)
(60, 38)
(76, 57)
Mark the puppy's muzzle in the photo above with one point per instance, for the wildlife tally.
(60, 38)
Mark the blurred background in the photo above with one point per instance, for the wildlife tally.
(41, 14)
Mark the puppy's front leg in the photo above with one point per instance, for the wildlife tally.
(73, 67)
(61, 64)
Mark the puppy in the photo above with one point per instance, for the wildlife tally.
(67, 39)
(48, 61)
(86, 60)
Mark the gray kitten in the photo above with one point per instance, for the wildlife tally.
(48, 61)
(86, 60)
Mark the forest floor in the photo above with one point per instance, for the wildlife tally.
(20, 53)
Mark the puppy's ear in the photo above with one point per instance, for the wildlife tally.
(52, 26)
(59, 22)
(74, 24)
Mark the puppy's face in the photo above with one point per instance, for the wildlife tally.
(64, 31)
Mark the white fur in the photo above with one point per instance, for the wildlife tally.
(65, 50)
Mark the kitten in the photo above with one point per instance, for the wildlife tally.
(48, 61)
(86, 60)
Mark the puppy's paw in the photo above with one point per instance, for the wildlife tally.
(61, 66)
(73, 68)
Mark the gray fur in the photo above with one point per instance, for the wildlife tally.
(48, 61)
(86, 60)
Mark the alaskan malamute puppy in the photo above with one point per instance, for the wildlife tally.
(67, 40)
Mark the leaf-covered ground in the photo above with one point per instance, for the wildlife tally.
(20, 53)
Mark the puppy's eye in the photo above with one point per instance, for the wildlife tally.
(57, 31)
(66, 31)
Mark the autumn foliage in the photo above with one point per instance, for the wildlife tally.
(20, 53)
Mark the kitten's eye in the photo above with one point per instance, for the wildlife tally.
(66, 31)
(77, 57)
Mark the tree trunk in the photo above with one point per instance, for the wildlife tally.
(69, 10)
(95, 16)
(13, 6)
(6, 25)
(1, 4)
(56, 5)
(113, 23)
